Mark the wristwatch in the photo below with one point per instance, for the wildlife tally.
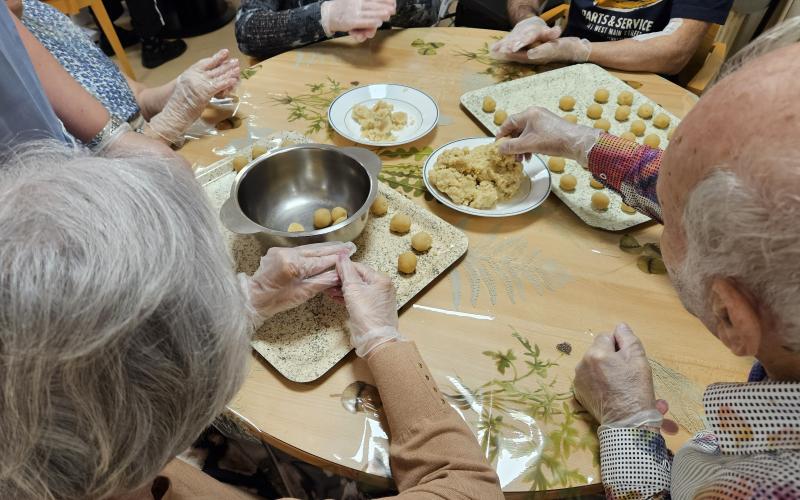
(99, 140)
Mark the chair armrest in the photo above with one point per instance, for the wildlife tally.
(710, 69)
(555, 13)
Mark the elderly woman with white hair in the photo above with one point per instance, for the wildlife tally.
(727, 193)
(124, 332)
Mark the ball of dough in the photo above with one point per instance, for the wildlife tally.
(600, 201)
(568, 182)
(661, 121)
(340, 219)
(258, 150)
(571, 118)
(239, 162)
(652, 140)
(294, 227)
(500, 116)
(638, 127)
(488, 104)
(556, 164)
(645, 111)
(596, 184)
(625, 98)
(566, 103)
(601, 96)
(623, 113)
(322, 218)
(338, 213)
(400, 223)
(407, 263)
(670, 134)
(421, 242)
(602, 123)
(627, 209)
(629, 136)
(595, 111)
(380, 206)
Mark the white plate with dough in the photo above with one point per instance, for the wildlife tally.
(420, 108)
(532, 191)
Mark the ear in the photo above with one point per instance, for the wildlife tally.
(738, 324)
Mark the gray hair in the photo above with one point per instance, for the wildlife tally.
(123, 329)
(780, 35)
(746, 232)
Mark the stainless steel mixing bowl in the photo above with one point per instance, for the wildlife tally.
(289, 184)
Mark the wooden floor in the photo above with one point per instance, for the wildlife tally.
(198, 48)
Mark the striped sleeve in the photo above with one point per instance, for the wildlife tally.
(630, 169)
(634, 464)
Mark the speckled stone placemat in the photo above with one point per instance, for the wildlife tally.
(579, 81)
(306, 342)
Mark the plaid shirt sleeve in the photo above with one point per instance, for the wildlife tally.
(634, 464)
(630, 169)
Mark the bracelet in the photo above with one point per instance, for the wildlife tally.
(98, 141)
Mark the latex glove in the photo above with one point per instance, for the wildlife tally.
(537, 130)
(527, 33)
(288, 277)
(362, 35)
(351, 15)
(371, 302)
(569, 49)
(194, 88)
(614, 382)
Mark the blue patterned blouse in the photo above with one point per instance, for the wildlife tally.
(81, 58)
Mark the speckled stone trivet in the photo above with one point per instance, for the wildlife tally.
(579, 81)
(304, 343)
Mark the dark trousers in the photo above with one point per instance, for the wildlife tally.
(144, 15)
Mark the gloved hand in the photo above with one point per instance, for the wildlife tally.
(371, 302)
(527, 33)
(614, 382)
(363, 35)
(288, 277)
(570, 49)
(194, 88)
(537, 130)
(350, 15)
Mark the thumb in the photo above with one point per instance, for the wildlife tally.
(551, 34)
(624, 336)
(347, 271)
(321, 282)
(513, 147)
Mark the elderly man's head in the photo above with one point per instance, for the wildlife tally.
(123, 330)
(729, 188)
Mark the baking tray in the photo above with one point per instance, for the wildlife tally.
(580, 81)
(307, 341)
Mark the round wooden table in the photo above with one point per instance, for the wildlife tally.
(504, 328)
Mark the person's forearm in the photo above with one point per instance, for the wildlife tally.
(665, 54)
(630, 169)
(522, 9)
(433, 452)
(634, 463)
(82, 114)
(151, 100)
(263, 31)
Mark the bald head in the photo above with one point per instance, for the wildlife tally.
(729, 189)
(750, 116)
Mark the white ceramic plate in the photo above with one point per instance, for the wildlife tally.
(532, 192)
(422, 111)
